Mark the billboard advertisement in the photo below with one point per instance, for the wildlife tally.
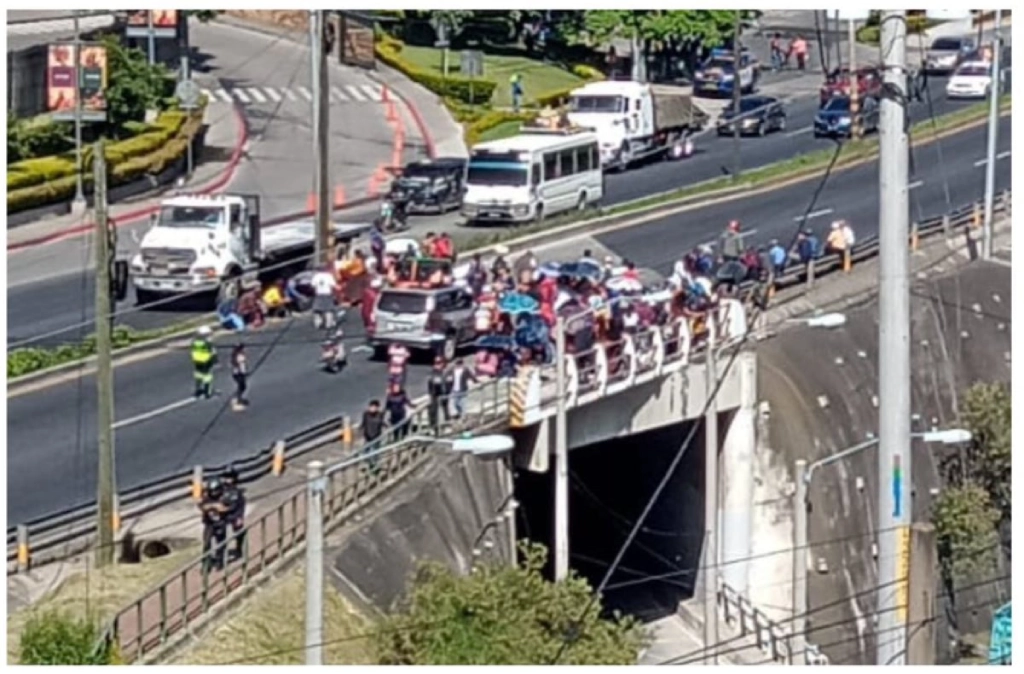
(61, 92)
(165, 23)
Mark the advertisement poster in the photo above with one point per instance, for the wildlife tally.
(165, 23)
(61, 89)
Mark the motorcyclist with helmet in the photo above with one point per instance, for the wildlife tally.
(234, 500)
(215, 522)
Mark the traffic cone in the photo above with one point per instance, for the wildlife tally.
(339, 196)
(311, 202)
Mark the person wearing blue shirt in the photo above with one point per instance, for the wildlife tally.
(778, 257)
(807, 247)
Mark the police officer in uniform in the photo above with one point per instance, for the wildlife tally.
(234, 501)
(215, 524)
(204, 357)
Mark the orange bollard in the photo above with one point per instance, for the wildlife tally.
(115, 518)
(977, 215)
(197, 483)
(847, 260)
(311, 203)
(339, 196)
(277, 462)
(346, 432)
(915, 238)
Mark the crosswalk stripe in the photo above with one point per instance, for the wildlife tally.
(274, 96)
(336, 94)
(354, 92)
(291, 95)
(373, 91)
(240, 95)
(255, 93)
(224, 96)
(305, 93)
(209, 94)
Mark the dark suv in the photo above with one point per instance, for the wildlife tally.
(439, 320)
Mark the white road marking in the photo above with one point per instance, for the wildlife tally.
(255, 93)
(914, 185)
(240, 95)
(153, 413)
(813, 214)
(274, 96)
(224, 96)
(337, 93)
(799, 132)
(372, 91)
(354, 92)
(305, 93)
(1001, 155)
(208, 94)
(291, 95)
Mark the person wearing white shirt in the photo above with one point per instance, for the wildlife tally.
(324, 285)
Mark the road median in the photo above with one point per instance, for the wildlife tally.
(31, 366)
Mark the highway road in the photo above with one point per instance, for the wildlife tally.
(40, 307)
(269, 77)
(51, 431)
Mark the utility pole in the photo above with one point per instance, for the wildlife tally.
(151, 37)
(895, 475)
(104, 367)
(838, 37)
(923, 561)
(561, 457)
(321, 114)
(800, 564)
(737, 92)
(315, 563)
(78, 204)
(855, 122)
(186, 76)
(993, 139)
(711, 501)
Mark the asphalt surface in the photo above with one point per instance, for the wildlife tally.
(51, 432)
(38, 309)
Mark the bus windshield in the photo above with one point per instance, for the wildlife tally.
(596, 104)
(500, 173)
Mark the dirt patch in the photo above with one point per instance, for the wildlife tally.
(291, 19)
(97, 593)
(268, 629)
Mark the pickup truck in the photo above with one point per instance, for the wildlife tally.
(197, 243)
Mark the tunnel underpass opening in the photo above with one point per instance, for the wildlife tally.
(609, 485)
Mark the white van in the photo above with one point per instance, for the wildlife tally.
(531, 176)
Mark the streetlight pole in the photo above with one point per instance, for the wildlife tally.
(321, 113)
(711, 499)
(561, 457)
(737, 92)
(151, 37)
(894, 458)
(315, 563)
(993, 139)
(78, 204)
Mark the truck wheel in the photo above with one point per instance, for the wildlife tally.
(761, 129)
(623, 162)
(538, 215)
(581, 205)
(449, 348)
(380, 353)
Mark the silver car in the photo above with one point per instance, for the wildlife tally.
(439, 320)
(946, 53)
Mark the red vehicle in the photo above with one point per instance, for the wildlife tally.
(869, 83)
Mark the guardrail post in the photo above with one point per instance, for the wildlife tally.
(976, 216)
(1007, 202)
(947, 225)
(24, 556)
(847, 260)
(197, 483)
(810, 272)
(915, 237)
(277, 460)
(346, 433)
(115, 517)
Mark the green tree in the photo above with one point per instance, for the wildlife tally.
(986, 410)
(504, 615)
(55, 638)
(134, 85)
(965, 527)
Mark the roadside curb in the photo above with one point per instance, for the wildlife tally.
(414, 112)
(598, 225)
(219, 182)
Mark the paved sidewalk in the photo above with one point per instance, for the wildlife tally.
(224, 148)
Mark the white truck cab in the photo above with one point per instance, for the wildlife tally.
(197, 242)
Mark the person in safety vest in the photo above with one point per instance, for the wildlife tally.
(204, 357)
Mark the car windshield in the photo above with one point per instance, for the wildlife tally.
(596, 104)
(973, 71)
(946, 44)
(725, 65)
(190, 216)
(402, 303)
(505, 174)
(838, 104)
(751, 104)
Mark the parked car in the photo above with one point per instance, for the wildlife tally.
(439, 320)
(758, 115)
(869, 84)
(971, 80)
(430, 185)
(946, 53)
(836, 118)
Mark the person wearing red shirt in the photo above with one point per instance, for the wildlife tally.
(369, 302)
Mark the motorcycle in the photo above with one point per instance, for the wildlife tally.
(333, 354)
(394, 216)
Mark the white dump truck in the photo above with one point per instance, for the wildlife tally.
(634, 120)
(198, 242)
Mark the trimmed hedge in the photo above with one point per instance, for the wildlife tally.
(557, 97)
(870, 33)
(37, 182)
(491, 119)
(463, 89)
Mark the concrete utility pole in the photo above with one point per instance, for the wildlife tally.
(800, 564)
(993, 139)
(561, 457)
(711, 502)
(321, 138)
(838, 37)
(78, 204)
(104, 368)
(737, 92)
(854, 81)
(151, 37)
(924, 560)
(895, 476)
(315, 563)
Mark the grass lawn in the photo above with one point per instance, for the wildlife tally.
(503, 130)
(538, 77)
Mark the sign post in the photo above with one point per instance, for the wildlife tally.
(188, 95)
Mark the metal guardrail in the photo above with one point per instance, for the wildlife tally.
(63, 533)
(187, 596)
(773, 639)
(193, 592)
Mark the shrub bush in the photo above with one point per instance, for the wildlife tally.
(57, 639)
(491, 119)
(465, 90)
(39, 137)
(37, 182)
